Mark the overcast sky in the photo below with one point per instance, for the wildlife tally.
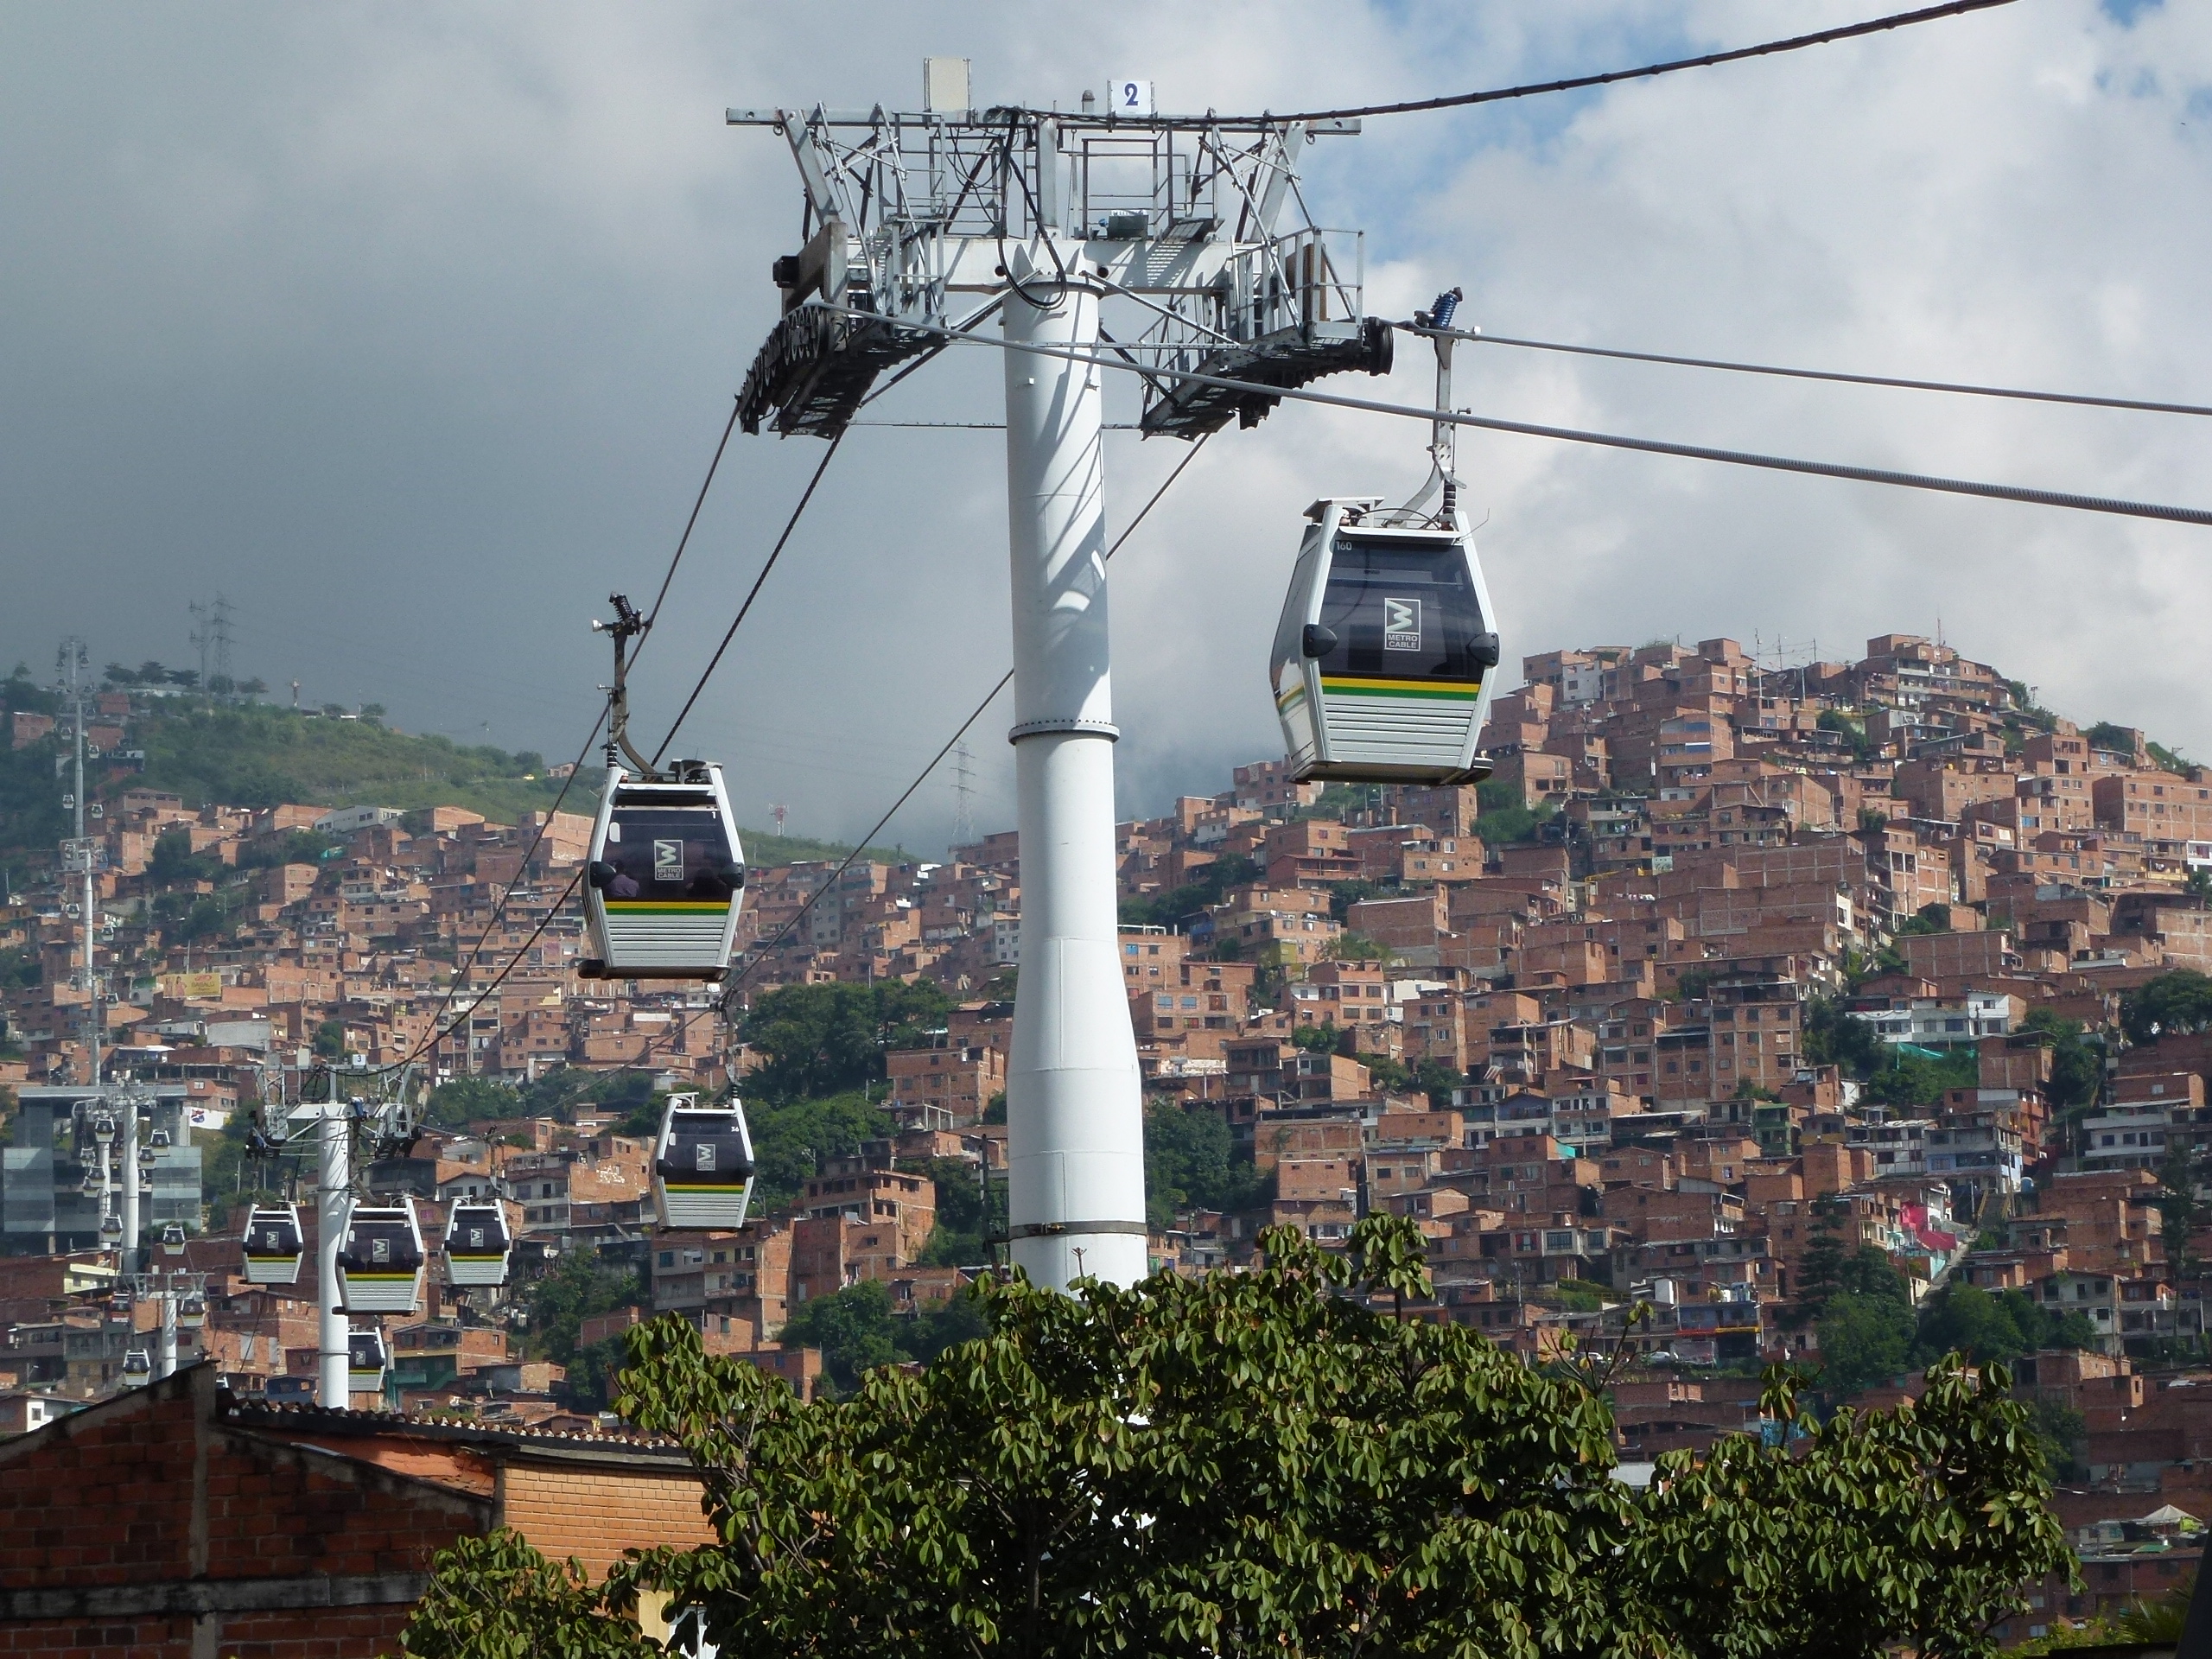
(410, 328)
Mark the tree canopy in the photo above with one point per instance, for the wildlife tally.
(829, 1039)
(1288, 1461)
(2180, 1000)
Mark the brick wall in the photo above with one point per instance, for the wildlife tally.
(567, 1510)
(147, 1524)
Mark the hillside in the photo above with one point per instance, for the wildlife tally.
(256, 755)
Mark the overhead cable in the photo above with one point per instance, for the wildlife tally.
(1795, 42)
(761, 954)
(500, 910)
(774, 553)
(1649, 445)
(2081, 398)
(685, 540)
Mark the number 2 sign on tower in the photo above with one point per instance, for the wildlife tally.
(1129, 96)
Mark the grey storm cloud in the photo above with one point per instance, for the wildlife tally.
(411, 330)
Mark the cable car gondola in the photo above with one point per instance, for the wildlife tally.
(702, 1164)
(137, 1368)
(110, 1229)
(191, 1311)
(666, 879)
(173, 1239)
(274, 1246)
(380, 1261)
(1383, 654)
(476, 1245)
(366, 1360)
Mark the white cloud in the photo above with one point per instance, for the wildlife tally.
(412, 330)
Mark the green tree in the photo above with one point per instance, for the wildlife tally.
(789, 1141)
(827, 1039)
(1290, 1461)
(957, 1240)
(853, 1329)
(330, 1039)
(462, 1100)
(1190, 1163)
(579, 1287)
(2179, 1000)
(1863, 1340)
(496, 1598)
(1172, 908)
(2076, 1069)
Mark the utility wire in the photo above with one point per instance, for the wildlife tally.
(1811, 374)
(774, 553)
(1795, 42)
(762, 953)
(1649, 445)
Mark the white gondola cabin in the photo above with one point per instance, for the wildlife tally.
(366, 1360)
(274, 1245)
(702, 1164)
(478, 1246)
(380, 1259)
(1383, 652)
(173, 1239)
(191, 1311)
(666, 877)
(137, 1368)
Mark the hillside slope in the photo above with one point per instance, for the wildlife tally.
(256, 755)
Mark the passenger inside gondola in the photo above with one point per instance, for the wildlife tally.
(666, 853)
(1402, 612)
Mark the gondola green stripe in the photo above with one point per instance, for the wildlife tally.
(1401, 688)
(694, 907)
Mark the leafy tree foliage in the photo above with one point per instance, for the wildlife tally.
(963, 1212)
(2075, 1071)
(1911, 1079)
(1986, 1329)
(790, 1141)
(1190, 1163)
(579, 1287)
(828, 1039)
(459, 1102)
(2179, 1000)
(1287, 1462)
(857, 1329)
(496, 1598)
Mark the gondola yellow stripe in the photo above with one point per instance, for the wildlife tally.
(668, 906)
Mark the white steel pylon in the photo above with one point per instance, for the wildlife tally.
(1075, 1098)
(1196, 224)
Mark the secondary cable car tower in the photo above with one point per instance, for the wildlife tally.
(918, 223)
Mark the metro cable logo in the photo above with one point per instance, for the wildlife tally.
(1401, 624)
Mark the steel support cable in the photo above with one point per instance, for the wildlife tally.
(685, 540)
(761, 954)
(1648, 446)
(2083, 399)
(774, 553)
(500, 910)
(1576, 83)
(497, 980)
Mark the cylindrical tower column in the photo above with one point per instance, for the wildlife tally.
(335, 1391)
(1075, 1101)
